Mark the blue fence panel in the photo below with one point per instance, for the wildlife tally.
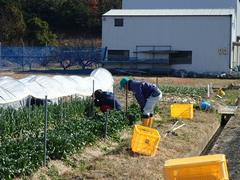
(40, 55)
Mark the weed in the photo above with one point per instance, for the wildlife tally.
(121, 147)
(42, 177)
(70, 162)
(53, 172)
(82, 166)
(231, 97)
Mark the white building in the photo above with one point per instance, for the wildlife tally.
(192, 35)
(184, 4)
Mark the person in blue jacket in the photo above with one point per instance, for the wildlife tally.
(147, 95)
(106, 100)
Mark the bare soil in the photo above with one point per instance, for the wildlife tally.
(195, 82)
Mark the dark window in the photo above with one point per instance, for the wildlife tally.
(118, 55)
(181, 57)
(118, 22)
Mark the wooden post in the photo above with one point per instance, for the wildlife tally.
(157, 82)
(93, 90)
(208, 91)
(106, 124)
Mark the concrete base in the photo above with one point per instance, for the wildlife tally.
(228, 143)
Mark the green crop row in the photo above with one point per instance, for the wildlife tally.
(71, 126)
(184, 90)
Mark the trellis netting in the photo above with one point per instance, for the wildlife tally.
(14, 93)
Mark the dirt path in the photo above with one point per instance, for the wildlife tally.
(195, 82)
(228, 143)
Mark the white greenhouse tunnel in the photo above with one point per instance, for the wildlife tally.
(15, 92)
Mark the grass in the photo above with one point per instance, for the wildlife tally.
(121, 146)
(82, 166)
(53, 173)
(163, 115)
(231, 97)
(42, 177)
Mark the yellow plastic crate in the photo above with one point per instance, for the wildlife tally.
(210, 167)
(182, 111)
(145, 140)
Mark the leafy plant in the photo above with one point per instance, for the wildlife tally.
(69, 131)
(133, 114)
(184, 90)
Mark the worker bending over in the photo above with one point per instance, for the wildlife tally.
(106, 101)
(147, 95)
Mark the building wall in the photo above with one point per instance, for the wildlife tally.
(176, 4)
(238, 18)
(185, 4)
(205, 36)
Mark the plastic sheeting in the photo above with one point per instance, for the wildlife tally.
(13, 90)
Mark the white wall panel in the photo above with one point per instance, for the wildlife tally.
(175, 4)
(205, 36)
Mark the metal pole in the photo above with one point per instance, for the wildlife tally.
(234, 56)
(114, 103)
(237, 56)
(45, 133)
(23, 57)
(153, 53)
(93, 86)
(136, 53)
(93, 90)
(106, 124)
(126, 100)
(64, 109)
(208, 91)
(61, 105)
(29, 108)
(0, 52)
